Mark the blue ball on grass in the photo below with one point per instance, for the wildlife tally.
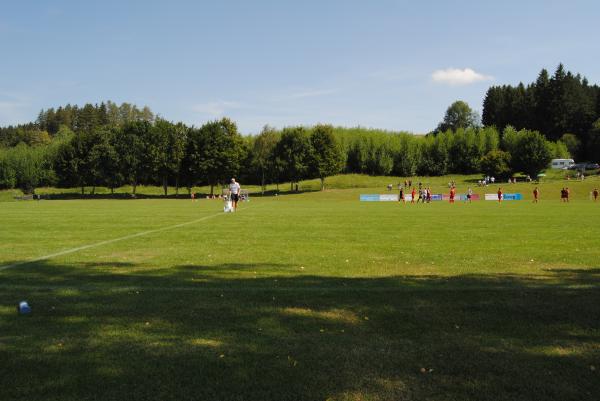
(23, 308)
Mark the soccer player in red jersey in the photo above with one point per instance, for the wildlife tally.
(452, 193)
(595, 194)
(413, 193)
(499, 195)
(536, 195)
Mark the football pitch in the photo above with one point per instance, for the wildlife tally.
(309, 296)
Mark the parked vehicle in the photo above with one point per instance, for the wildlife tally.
(585, 166)
(562, 163)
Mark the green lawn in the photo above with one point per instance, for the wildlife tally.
(309, 296)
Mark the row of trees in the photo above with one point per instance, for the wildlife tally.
(27, 167)
(463, 151)
(557, 105)
(88, 118)
(92, 116)
(163, 153)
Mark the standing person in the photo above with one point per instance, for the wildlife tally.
(452, 193)
(413, 193)
(567, 193)
(536, 195)
(595, 194)
(562, 195)
(499, 195)
(428, 195)
(234, 193)
(469, 194)
(193, 195)
(401, 195)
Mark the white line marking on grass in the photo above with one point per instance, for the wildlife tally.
(110, 241)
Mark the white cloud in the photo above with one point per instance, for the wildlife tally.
(456, 76)
(217, 108)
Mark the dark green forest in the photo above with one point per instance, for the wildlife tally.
(562, 106)
(111, 145)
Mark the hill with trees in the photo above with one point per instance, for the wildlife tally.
(562, 106)
(112, 145)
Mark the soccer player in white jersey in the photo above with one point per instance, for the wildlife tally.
(234, 193)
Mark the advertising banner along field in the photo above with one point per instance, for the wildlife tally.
(494, 197)
(408, 197)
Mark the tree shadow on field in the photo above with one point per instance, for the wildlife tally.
(185, 195)
(241, 332)
(117, 196)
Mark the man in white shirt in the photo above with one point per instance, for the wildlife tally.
(234, 193)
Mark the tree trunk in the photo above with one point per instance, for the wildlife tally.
(112, 190)
(134, 188)
(262, 182)
(82, 190)
(93, 190)
(176, 187)
(292, 186)
(322, 183)
(165, 184)
(212, 186)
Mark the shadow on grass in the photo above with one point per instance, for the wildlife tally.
(129, 196)
(269, 332)
(117, 196)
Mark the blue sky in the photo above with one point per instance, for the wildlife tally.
(395, 65)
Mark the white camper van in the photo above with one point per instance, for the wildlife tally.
(562, 164)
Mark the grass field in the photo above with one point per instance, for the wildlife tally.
(309, 296)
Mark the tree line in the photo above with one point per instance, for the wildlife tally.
(158, 152)
(77, 119)
(562, 106)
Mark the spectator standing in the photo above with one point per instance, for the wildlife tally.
(234, 193)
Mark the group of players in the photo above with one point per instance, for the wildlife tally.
(424, 194)
(565, 192)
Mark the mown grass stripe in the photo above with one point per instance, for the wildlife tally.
(110, 241)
